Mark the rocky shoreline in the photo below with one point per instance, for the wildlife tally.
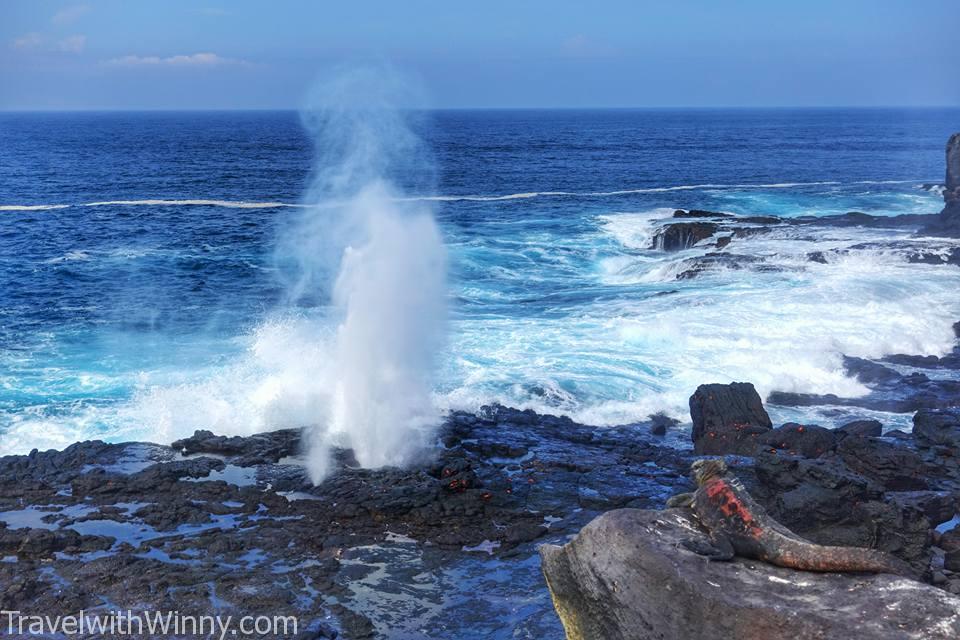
(234, 524)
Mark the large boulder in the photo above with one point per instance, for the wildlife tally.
(937, 428)
(626, 576)
(727, 418)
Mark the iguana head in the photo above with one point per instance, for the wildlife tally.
(704, 470)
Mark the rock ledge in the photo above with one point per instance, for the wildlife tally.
(625, 576)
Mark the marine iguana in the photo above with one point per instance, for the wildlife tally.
(738, 525)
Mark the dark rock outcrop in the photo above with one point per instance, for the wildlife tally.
(805, 440)
(948, 222)
(937, 506)
(894, 467)
(700, 213)
(827, 502)
(860, 428)
(683, 235)
(727, 418)
(937, 428)
(950, 542)
(626, 576)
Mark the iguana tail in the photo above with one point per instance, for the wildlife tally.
(813, 557)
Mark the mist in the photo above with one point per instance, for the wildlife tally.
(375, 256)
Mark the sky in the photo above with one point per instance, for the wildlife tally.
(114, 54)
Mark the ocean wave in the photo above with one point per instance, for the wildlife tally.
(231, 204)
(526, 195)
(32, 207)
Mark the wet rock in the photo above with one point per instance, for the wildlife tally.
(860, 428)
(38, 544)
(867, 371)
(627, 575)
(59, 467)
(949, 361)
(700, 213)
(261, 448)
(947, 257)
(937, 428)
(682, 235)
(660, 422)
(727, 418)
(904, 394)
(808, 441)
(696, 266)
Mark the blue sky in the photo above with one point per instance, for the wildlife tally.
(114, 54)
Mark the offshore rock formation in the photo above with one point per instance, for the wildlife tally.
(948, 223)
(626, 575)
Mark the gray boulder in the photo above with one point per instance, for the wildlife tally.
(625, 576)
(727, 418)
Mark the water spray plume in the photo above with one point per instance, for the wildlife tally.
(380, 261)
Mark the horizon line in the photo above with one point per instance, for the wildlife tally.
(487, 108)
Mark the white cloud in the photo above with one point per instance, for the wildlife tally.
(72, 44)
(192, 60)
(69, 14)
(28, 41)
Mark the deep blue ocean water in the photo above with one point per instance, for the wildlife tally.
(143, 295)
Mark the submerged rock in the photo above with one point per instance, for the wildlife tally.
(727, 418)
(626, 576)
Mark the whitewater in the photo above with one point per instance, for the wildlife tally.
(132, 317)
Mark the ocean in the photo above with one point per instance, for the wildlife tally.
(145, 288)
